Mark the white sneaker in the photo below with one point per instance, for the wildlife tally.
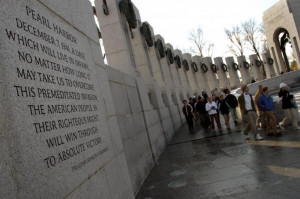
(298, 128)
(246, 137)
(258, 128)
(279, 126)
(258, 137)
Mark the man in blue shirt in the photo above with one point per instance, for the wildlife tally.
(265, 103)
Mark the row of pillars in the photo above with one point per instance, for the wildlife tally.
(129, 51)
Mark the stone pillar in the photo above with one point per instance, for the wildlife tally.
(269, 65)
(156, 65)
(200, 75)
(256, 67)
(165, 65)
(190, 74)
(141, 57)
(177, 87)
(116, 38)
(245, 73)
(211, 75)
(222, 73)
(183, 77)
(174, 69)
(233, 73)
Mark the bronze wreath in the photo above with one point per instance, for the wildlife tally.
(194, 67)
(270, 61)
(213, 68)
(246, 65)
(224, 67)
(145, 31)
(160, 48)
(126, 8)
(170, 56)
(257, 63)
(186, 64)
(235, 66)
(204, 67)
(178, 61)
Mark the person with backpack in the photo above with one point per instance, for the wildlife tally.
(203, 116)
(224, 109)
(233, 103)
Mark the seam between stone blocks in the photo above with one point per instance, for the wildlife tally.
(93, 174)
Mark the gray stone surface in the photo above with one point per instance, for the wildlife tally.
(37, 158)
(205, 165)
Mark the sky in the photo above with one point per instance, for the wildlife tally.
(174, 19)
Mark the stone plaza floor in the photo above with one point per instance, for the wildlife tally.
(206, 165)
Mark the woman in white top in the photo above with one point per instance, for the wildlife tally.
(211, 108)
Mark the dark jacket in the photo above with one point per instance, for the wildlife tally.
(200, 107)
(187, 111)
(265, 103)
(231, 101)
(286, 99)
(223, 107)
(242, 103)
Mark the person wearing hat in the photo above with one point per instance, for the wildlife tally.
(247, 107)
(287, 106)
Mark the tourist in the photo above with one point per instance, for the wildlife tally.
(265, 103)
(187, 110)
(204, 95)
(253, 80)
(191, 102)
(217, 101)
(260, 114)
(287, 106)
(224, 109)
(203, 116)
(248, 109)
(196, 113)
(216, 93)
(233, 103)
(211, 108)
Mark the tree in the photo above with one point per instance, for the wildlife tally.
(196, 36)
(235, 37)
(253, 34)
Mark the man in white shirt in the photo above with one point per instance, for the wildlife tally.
(211, 108)
(248, 109)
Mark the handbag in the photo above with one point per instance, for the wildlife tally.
(295, 105)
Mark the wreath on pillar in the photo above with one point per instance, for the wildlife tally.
(213, 68)
(257, 63)
(146, 32)
(126, 8)
(270, 61)
(170, 56)
(246, 65)
(160, 48)
(204, 67)
(178, 61)
(194, 67)
(235, 66)
(186, 64)
(224, 67)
